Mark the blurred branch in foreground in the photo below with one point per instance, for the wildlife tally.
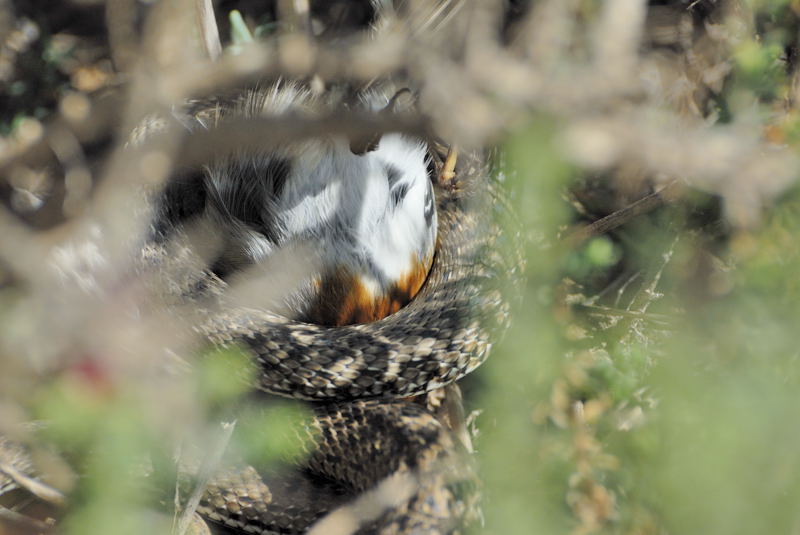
(649, 385)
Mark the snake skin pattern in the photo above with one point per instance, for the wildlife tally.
(367, 434)
(439, 337)
(362, 436)
(360, 376)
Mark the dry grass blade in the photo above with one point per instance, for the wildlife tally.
(211, 463)
(208, 29)
(391, 493)
(608, 223)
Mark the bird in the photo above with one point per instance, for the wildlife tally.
(368, 214)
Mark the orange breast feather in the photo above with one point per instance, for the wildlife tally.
(344, 299)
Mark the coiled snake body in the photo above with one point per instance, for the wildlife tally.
(361, 376)
(357, 370)
(440, 336)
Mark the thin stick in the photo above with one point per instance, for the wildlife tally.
(41, 490)
(449, 167)
(7, 516)
(209, 33)
(620, 217)
(347, 519)
(635, 314)
(206, 472)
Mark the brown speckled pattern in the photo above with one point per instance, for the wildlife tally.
(357, 375)
(443, 334)
(356, 371)
(359, 445)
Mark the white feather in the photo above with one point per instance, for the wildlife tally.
(339, 203)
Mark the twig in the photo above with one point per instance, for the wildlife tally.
(649, 293)
(206, 471)
(295, 15)
(120, 21)
(31, 525)
(449, 167)
(209, 33)
(261, 132)
(453, 406)
(348, 519)
(41, 490)
(637, 314)
(620, 217)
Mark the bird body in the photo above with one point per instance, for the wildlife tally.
(369, 219)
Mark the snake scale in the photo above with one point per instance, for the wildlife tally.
(357, 372)
(361, 377)
(436, 339)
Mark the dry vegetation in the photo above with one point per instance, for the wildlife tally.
(649, 383)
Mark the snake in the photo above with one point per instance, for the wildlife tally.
(365, 382)
(361, 377)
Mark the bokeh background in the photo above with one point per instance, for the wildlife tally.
(649, 383)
